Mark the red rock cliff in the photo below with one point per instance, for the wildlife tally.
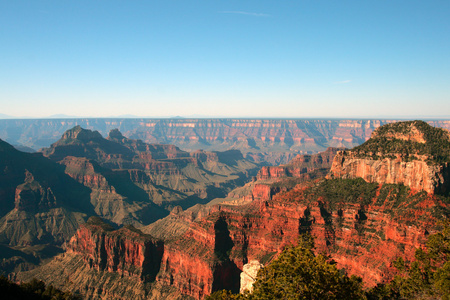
(319, 164)
(363, 238)
(410, 153)
(416, 174)
(126, 251)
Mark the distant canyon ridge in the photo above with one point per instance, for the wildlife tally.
(269, 141)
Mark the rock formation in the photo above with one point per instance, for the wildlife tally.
(248, 275)
(363, 225)
(40, 208)
(126, 251)
(410, 153)
(307, 166)
(272, 141)
(128, 177)
(42, 202)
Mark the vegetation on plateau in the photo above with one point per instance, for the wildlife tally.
(396, 199)
(384, 145)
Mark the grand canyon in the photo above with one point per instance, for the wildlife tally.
(224, 150)
(181, 208)
(274, 141)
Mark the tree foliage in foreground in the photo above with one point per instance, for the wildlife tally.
(33, 290)
(428, 277)
(299, 274)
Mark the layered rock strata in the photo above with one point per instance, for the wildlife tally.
(272, 141)
(416, 174)
(128, 177)
(308, 166)
(363, 225)
(418, 158)
(126, 251)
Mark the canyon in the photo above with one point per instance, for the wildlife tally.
(363, 222)
(273, 141)
(46, 196)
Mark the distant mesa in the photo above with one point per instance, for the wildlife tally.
(268, 141)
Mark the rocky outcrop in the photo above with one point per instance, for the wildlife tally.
(363, 226)
(263, 192)
(313, 165)
(128, 177)
(248, 275)
(126, 251)
(79, 133)
(39, 203)
(32, 197)
(416, 174)
(86, 172)
(410, 153)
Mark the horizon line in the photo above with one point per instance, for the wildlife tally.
(408, 117)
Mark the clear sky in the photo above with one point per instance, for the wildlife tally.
(303, 58)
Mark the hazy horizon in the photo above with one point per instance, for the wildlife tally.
(65, 117)
(230, 59)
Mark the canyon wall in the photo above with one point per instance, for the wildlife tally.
(271, 140)
(126, 251)
(416, 174)
(301, 166)
(410, 153)
(363, 233)
(375, 206)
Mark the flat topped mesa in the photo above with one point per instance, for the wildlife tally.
(412, 153)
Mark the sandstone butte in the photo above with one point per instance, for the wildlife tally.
(415, 163)
(364, 224)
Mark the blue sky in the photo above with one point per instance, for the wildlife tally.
(289, 59)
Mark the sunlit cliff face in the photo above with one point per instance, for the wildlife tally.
(417, 157)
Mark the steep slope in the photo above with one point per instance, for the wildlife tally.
(128, 177)
(364, 226)
(39, 205)
(412, 153)
(113, 195)
(114, 264)
(309, 166)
